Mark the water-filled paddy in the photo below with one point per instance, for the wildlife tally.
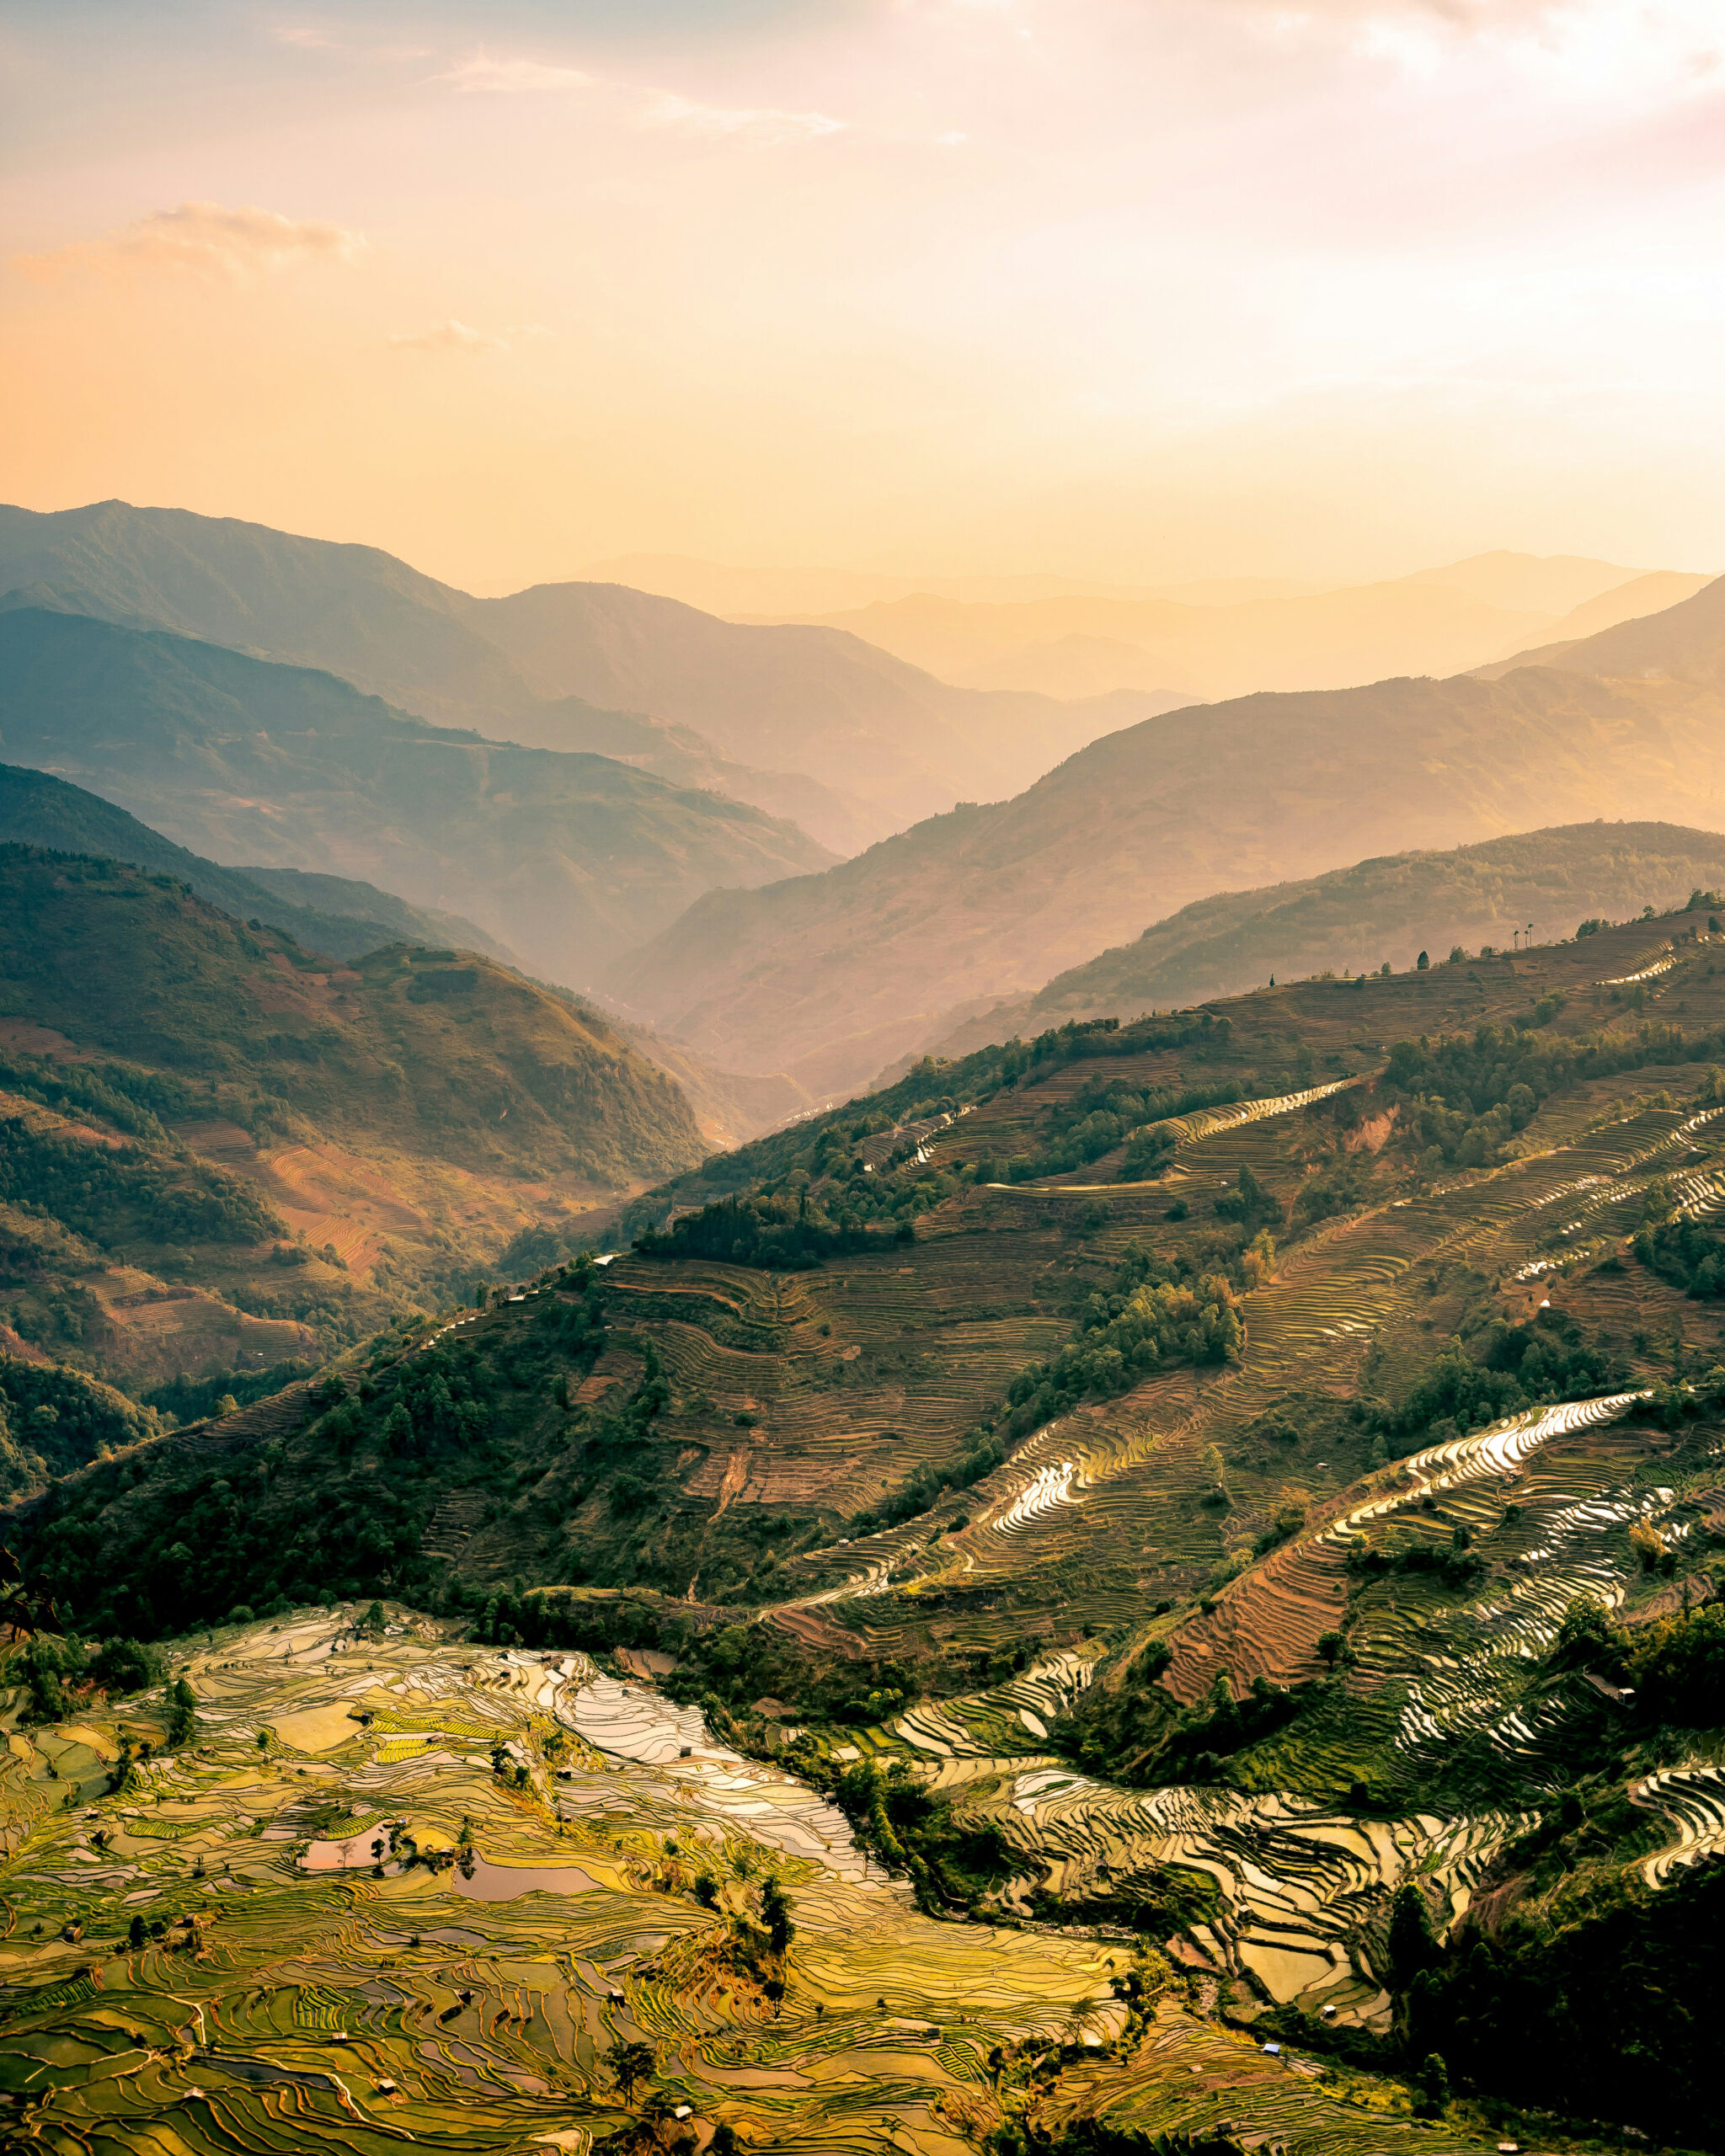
(297, 1989)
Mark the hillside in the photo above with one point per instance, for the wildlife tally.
(792, 719)
(568, 859)
(342, 919)
(1381, 912)
(1245, 1487)
(1663, 653)
(195, 1105)
(954, 1229)
(835, 976)
(842, 821)
(352, 610)
(811, 700)
(331, 914)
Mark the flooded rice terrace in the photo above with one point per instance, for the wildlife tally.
(405, 1890)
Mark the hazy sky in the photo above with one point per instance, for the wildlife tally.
(1135, 289)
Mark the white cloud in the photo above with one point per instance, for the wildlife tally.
(765, 126)
(479, 72)
(761, 124)
(451, 336)
(305, 37)
(205, 239)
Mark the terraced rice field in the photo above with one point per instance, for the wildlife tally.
(1692, 1800)
(1297, 1886)
(1109, 1481)
(1085, 1497)
(358, 1937)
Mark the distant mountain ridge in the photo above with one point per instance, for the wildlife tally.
(331, 914)
(835, 977)
(1437, 622)
(864, 744)
(568, 858)
(1668, 657)
(1377, 912)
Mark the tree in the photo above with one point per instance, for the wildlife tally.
(136, 1934)
(1434, 2081)
(1422, 962)
(123, 1774)
(776, 1910)
(1249, 1203)
(182, 1714)
(630, 2065)
(126, 1665)
(1412, 1946)
(1585, 1634)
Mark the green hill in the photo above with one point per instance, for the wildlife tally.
(333, 914)
(568, 859)
(835, 976)
(194, 1101)
(340, 917)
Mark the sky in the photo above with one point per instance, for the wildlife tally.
(1137, 291)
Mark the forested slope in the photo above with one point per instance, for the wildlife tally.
(204, 1106)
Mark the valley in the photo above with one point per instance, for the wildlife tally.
(224, 1149)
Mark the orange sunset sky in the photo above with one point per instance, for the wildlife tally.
(1125, 289)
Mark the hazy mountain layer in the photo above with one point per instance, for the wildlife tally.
(833, 976)
(800, 720)
(812, 700)
(1441, 621)
(1667, 656)
(568, 858)
(1550, 584)
(356, 610)
(843, 822)
(1378, 912)
(331, 914)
